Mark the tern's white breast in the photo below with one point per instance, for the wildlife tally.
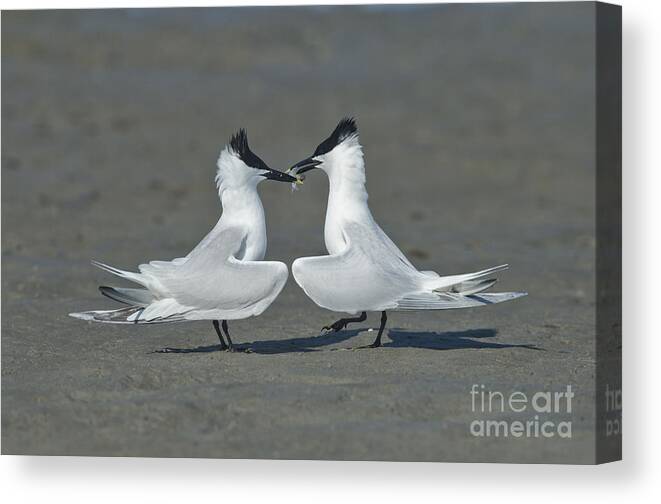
(243, 208)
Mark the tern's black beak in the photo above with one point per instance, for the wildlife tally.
(305, 165)
(279, 176)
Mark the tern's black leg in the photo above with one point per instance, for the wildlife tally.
(342, 323)
(216, 326)
(377, 341)
(230, 346)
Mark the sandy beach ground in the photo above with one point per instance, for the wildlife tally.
(478, 129)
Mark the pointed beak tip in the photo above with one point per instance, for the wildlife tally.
(304, 166)
(278, 176)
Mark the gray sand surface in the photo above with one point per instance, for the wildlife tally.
(478, 129)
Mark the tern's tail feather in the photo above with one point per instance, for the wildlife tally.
(473, 286)
(451, 300)
(488, 271)
(133, 277)
(467, 283)
(129, 315)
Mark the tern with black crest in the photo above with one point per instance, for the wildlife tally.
(365, 271)
(224, 277)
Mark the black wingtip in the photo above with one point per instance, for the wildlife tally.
(109, 292)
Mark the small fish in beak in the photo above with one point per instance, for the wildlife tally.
(299, 168)
(299, 182)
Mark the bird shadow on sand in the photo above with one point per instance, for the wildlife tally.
(451, 340)
(290, 345)
(395, 338)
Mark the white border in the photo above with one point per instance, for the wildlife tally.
(107, 480)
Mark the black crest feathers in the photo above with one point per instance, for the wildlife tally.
(346, 128)
(239, 142)
(239, 145)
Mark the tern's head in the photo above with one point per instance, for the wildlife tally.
(238, 166)
(338, 154)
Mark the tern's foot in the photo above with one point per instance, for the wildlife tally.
(336, 326)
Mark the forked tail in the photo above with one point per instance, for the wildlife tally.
(138, 300)
(459, 291)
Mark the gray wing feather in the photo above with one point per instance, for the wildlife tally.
(212, 278)
(122, 316)
(449, 301)
(134, 297)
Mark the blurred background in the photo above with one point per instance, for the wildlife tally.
(477, 123)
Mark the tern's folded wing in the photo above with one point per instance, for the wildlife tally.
(212, 278)
(364, 276)
(216, 247)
